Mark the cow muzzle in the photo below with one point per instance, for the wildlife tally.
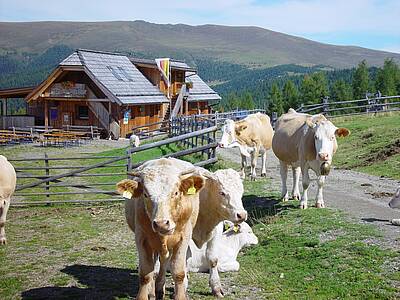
(240, 216)
(164, 227)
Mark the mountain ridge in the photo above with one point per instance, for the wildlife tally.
(251, 46)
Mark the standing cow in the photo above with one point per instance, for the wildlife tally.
(253, 135)
(395, 203)
(305, 142)
(162, 213)
(8, 181)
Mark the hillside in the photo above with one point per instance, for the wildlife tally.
(251, 46)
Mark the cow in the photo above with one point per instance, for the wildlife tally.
(253, 135)
(161, 208)
(395, 203)
(228, 245)
(305, 142)
(8, 181)
(134, 141)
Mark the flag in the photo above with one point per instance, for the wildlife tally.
(164, 67)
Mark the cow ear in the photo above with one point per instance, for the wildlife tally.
(191, 183)
(129, 188)
(310, 123)
(342, 132)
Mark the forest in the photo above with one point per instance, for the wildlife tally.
(274, 89)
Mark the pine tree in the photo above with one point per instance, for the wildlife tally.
(360, 80)
(341, 91)
(307, 90)
(388, 78)
(275, 100)
(290, 96)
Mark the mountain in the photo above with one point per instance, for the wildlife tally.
(249, 46)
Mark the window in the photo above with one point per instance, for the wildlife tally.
(83, 112)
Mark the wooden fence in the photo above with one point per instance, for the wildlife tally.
(353, 107)
(90, 179)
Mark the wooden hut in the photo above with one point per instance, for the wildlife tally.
(115, 93)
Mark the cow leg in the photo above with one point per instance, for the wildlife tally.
(4, 205)
(284, 170)
(306, 184)
(296, 179)
(146, 268)
(254, 157)
(264, 164)
(244, 165)
(160, 280)
(178, 270)
(212, 258)
(320, 199)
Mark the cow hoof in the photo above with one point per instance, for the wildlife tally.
(285, 199)
(218, 292)
(320, 205)
(253, 178)
(303, 206)
(3, 241)
(296, 197)
(263, 174)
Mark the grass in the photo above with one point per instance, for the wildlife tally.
(75, 252)
(373, 146)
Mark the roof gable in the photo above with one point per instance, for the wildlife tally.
(200, 91)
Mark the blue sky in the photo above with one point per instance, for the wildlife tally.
(367, 23)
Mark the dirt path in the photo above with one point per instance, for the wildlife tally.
(363, 196)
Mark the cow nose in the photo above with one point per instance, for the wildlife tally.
(323, 156)
(161, 225)
(220, 145)
(242, 216)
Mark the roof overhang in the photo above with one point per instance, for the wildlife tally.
(16, 92)
(148, 63)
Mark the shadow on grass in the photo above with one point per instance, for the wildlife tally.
(261, 208)
(372, 220)
(101, 283)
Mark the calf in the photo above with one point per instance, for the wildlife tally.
(162, 213)
(253, 135)
(305, 142)
(228, 245)
(8, 181)
(395, 203)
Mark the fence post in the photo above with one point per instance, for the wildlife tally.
(46, 163)
(129, 161)
(325, 105)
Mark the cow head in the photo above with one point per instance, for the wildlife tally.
(166, 194)
(395, 202)
(243, 231)
(230, 131)
(228, 192)
(325, 140)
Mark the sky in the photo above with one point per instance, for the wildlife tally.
(372, 24)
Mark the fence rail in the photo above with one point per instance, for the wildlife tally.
(353, 107)
(55, 180)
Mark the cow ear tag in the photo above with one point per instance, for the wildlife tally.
(226, 226)
(127, 195)
(191, 190)
(236, 228)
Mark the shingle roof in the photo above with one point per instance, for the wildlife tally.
(200, 91)
(118, 75)
(175, 64)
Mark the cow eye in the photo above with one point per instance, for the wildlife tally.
(176, 193)
(222, 194)
(332, 138)
(145, 194)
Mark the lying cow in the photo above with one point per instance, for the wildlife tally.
(305, 142)
(162, 213)
(8, 180)
(228, 245)
(394, 203)
(253, 135)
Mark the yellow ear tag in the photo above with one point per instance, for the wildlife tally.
(226, 226)
(236, 228)
(127, 195)
(191, 190)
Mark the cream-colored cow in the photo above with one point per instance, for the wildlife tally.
(305, 142)
(253, 135)
(8, 181)
(395, 203)
(162, 208)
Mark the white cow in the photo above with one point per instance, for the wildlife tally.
(228, 245)
(8, 180)
(395, 203)
(134, 140)
(305, 142)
